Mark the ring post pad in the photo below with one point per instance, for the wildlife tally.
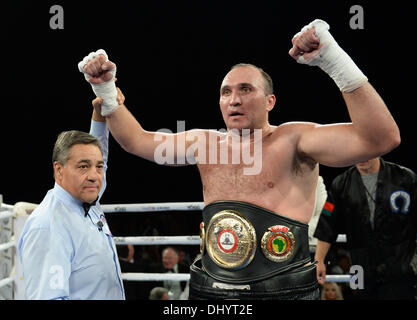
(246, 243)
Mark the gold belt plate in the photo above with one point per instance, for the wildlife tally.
(278, 243)
(230, 240)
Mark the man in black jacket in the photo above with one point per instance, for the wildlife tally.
(373, 203)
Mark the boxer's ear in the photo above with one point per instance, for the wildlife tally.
(270, 102)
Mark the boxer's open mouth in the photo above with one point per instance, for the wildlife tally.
(234, 114)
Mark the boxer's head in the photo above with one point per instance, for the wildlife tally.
(246, 97)
(78, 164)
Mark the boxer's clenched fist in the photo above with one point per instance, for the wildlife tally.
(99, 69)
(315, 46)
(101, 72)
(305, 44)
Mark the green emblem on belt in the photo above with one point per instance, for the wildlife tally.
(278, 243)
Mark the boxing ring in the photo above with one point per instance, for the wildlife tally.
(13, 217)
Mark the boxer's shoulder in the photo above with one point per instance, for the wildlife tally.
(292, 130)
(296, 125)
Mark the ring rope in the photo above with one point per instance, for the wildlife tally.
(6, 281)
(6, 245)
(6, 206)
(179, 240)
(6, 214)
(155, 240)
(140, 276)
(153, 207)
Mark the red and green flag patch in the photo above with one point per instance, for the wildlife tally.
(328, 208)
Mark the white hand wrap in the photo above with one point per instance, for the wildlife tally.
(107, 90)
(332, 59)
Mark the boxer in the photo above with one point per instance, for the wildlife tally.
(255, 232)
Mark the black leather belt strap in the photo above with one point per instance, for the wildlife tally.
(283, 286)
(260, 267)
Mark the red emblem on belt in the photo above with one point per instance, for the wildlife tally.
(227, 240)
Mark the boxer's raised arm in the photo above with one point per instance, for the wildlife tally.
(372, 132)
(160, 147)
(174, 149)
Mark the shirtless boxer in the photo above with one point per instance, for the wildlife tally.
(254, 235)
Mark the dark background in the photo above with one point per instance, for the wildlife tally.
(172, 57)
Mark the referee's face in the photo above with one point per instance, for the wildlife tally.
(82, 175)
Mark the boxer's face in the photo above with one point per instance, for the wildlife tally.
(243, 102)
(82, 175)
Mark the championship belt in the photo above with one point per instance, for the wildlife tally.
(242, 242)
(231, 240)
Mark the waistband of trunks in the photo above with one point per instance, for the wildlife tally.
(299, 283)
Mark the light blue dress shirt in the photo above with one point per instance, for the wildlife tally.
(63, 253)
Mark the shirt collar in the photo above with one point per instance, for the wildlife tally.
(67, 198)
(70, 200)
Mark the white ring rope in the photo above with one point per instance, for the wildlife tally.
(178, 240)
(6, 206)
(153, 207)
(6, 245)
(338, 278)
(6, 281)
(187, 240)
(148, 207)
(6, 214)
(140, 276)
(156, 240)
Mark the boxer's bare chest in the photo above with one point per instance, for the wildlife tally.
(261, 175)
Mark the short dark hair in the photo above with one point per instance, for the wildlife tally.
(269, 85)
(66, 140)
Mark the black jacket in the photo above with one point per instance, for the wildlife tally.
(385, 251)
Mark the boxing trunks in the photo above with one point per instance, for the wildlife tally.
(248, 252)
